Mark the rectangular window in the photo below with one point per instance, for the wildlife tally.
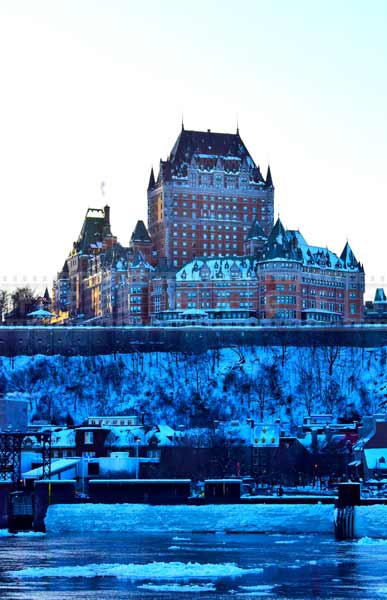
(89, 437)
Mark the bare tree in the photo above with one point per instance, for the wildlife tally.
(331, 353)
(23, 301)
(4, 304)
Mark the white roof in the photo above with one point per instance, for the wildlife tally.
(124, 435)
(376, 458)
(40, 313)
(137, 481)
(194, 311)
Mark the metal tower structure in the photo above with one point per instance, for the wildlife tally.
(10, 455)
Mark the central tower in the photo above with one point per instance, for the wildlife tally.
(206, 196)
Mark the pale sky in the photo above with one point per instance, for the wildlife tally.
(95, 90)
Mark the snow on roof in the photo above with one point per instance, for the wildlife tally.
(376, 458)
(55, 481)
(313, 254)
(163, 433)
(63, 438)
(299, 237)
(40, 313)
(194, 311)
(319, 310)
(125, 435)
(307, 440)
(223, 481)
(57, 466)
(236, 431)
(139, 481)
(165, 429)
(223, 268)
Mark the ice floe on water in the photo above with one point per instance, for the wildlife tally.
(255, 591)
(370, 521)
(154, 570)
(257, 588)
(6, 533)
(261, 518)
(365, 541)
(176, 587)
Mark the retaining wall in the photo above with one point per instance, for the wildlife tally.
(71, 341)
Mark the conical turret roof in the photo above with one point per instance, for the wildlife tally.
(269, 179)
(256, 232)
(278, 245)
(348, 258)
(140, 233)
(152, 181)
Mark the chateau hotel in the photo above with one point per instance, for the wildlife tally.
(211, 251)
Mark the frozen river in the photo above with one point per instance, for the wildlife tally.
(118, 565)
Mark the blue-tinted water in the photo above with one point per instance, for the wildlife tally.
(120, 565)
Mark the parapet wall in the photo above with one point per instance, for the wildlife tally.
(70, 341)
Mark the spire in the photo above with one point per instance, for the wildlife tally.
(182, 122)
(348, 258)
(278, 233)
(140, 233)
(278, 245)
(152, 182)
(269, 180)
(380, 296)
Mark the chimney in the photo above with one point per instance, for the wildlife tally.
(106, 212)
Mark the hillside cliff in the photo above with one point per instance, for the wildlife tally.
(186, 389)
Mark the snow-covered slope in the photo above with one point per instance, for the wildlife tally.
(267, 382)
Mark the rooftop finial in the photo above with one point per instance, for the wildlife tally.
(237, 120)
(182, 121)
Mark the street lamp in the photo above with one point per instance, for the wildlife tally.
(137, 441)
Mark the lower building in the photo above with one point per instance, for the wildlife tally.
(286, 281)
(280, 280)
(376, 311)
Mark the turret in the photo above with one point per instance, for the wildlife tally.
(269, 181)
(152, 182)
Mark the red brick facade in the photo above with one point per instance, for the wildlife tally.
(205, 198)
(286, 282)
